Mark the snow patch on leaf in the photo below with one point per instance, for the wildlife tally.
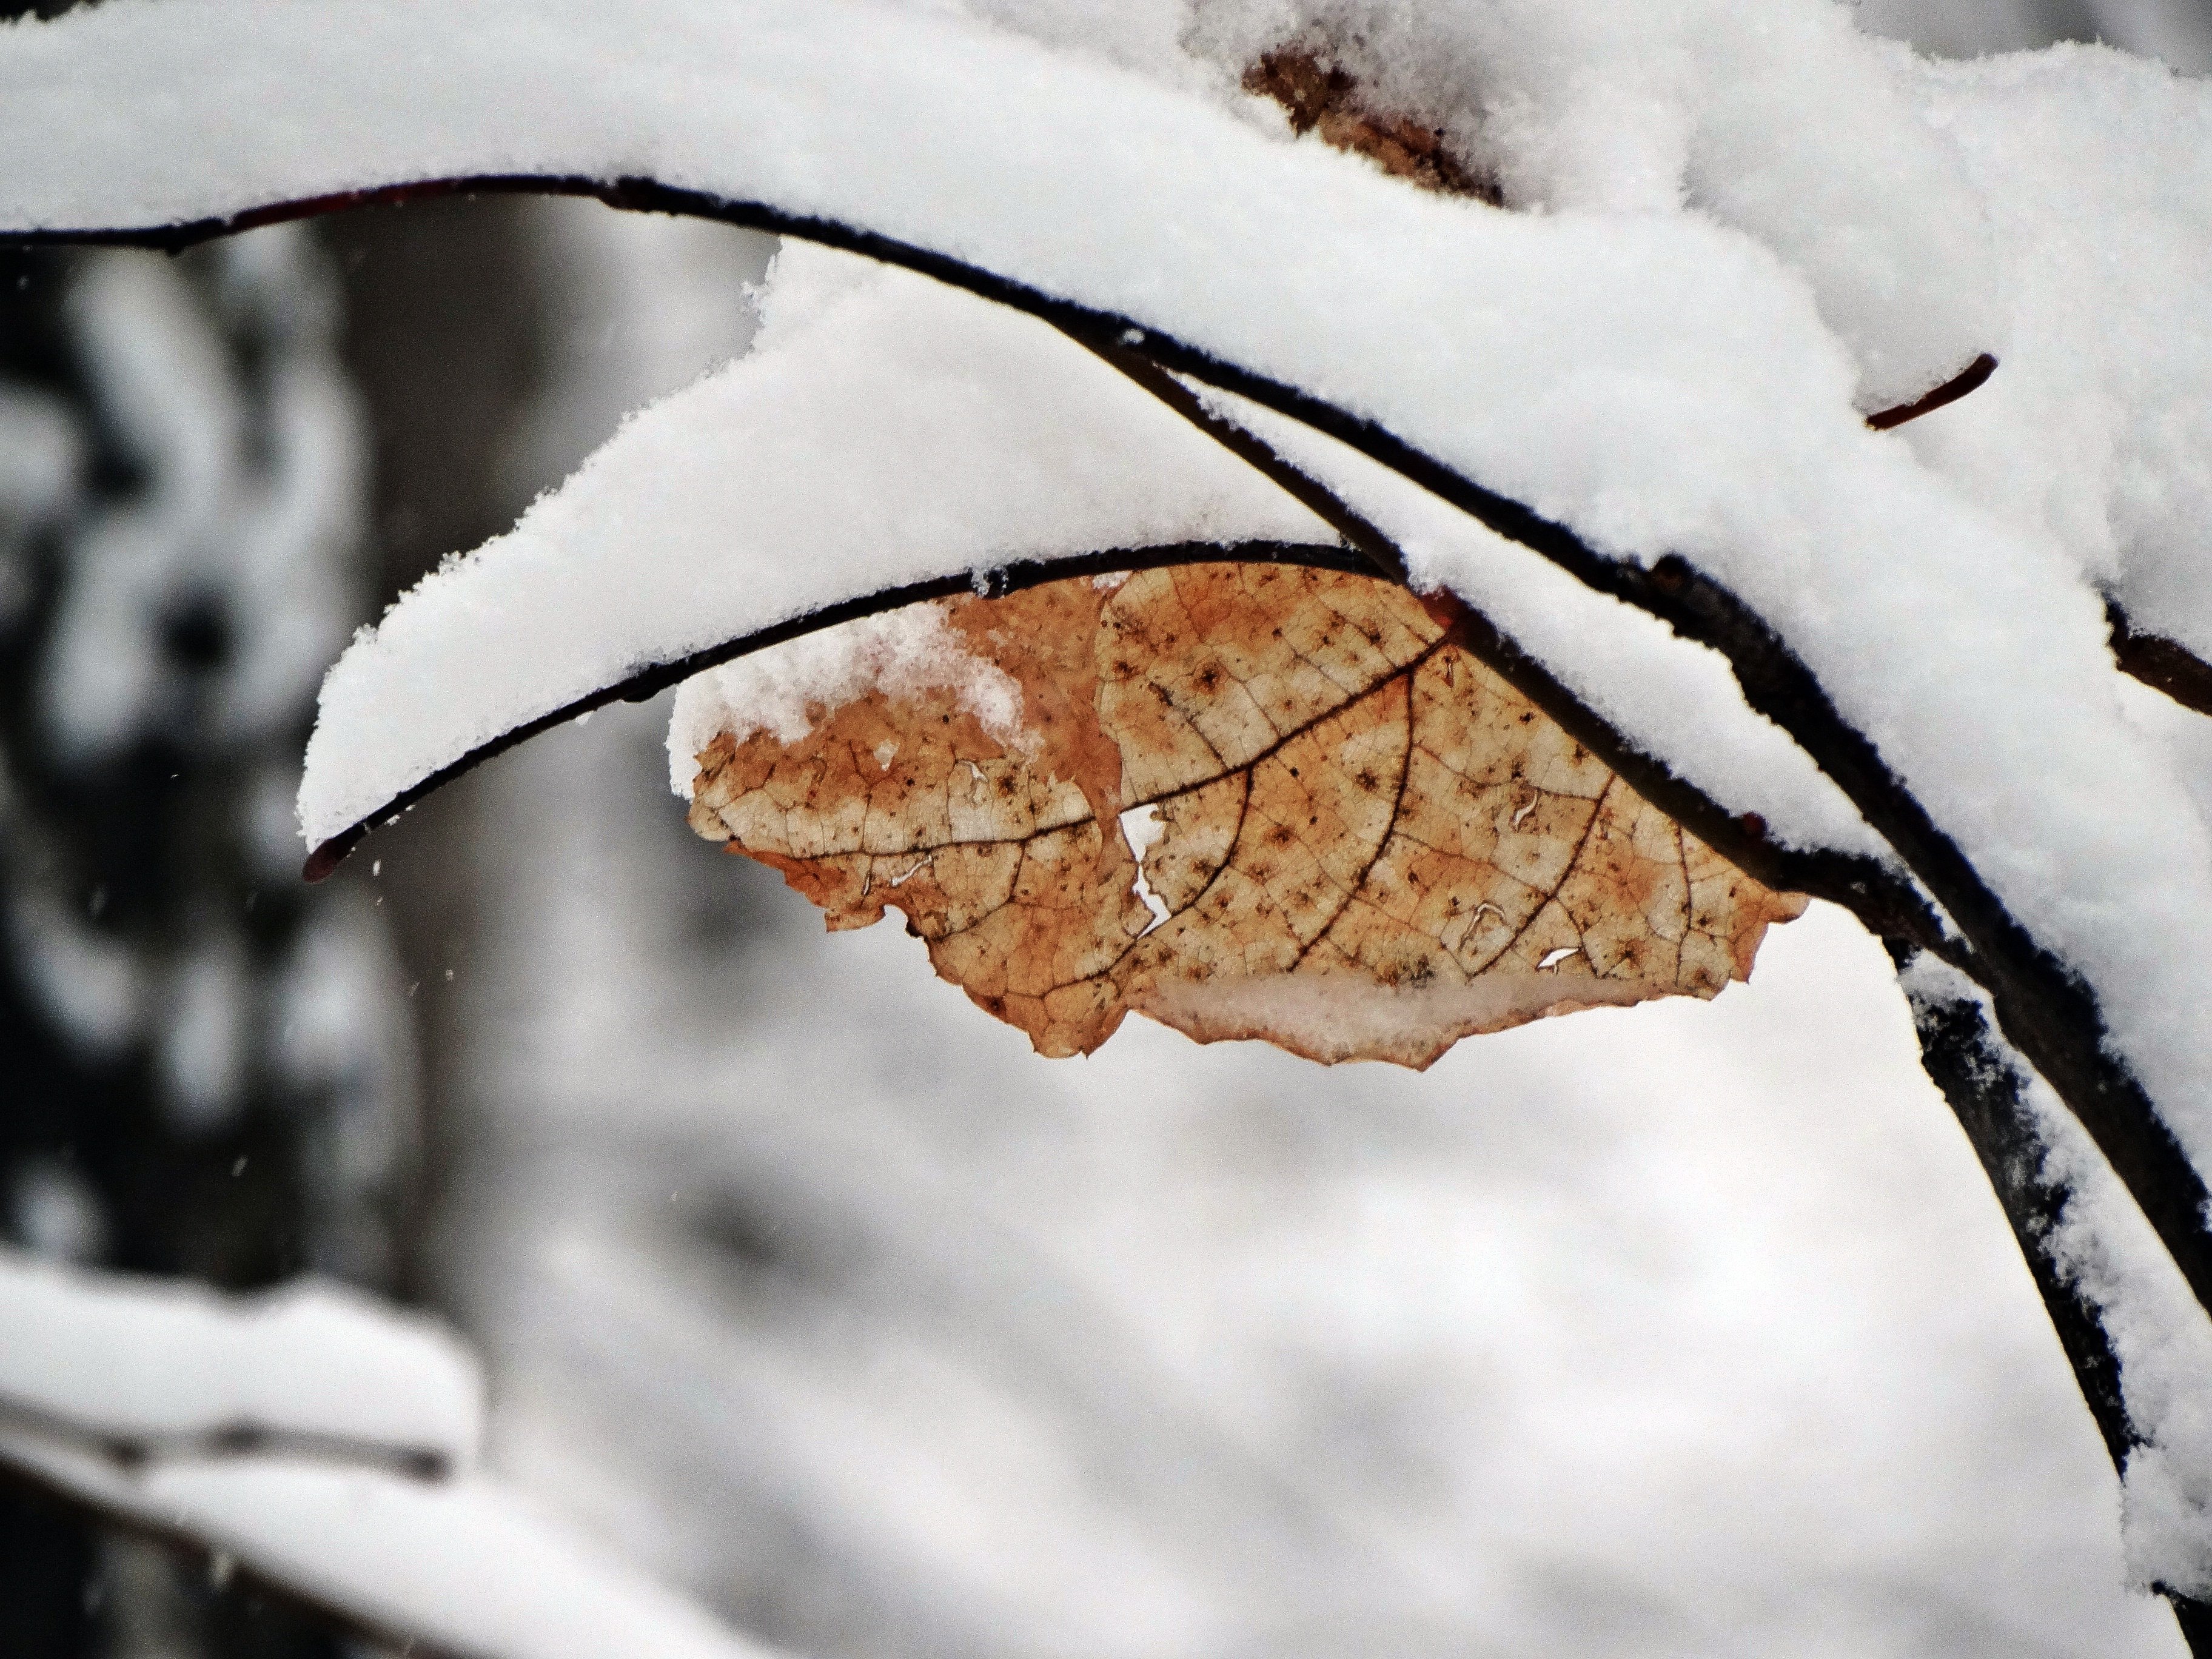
(785, 689)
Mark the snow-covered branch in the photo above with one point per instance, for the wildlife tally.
(1630, 439)
(1830, 646)
(2164, 665)
(309, 1370)
(648, 678)
(321, 1443)
(1870, 888)
(2137, 1358)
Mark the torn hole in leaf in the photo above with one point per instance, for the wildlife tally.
(1245, 800)
(1142, 829)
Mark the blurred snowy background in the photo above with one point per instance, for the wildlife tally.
(1678, 1330)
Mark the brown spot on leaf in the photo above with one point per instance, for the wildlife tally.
(1370, 845)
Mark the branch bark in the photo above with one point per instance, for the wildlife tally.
(1968, 379)
(1867, 886)
(242, 1438)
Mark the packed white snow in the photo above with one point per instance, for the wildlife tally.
(2095, 169)
(1674, 700)
(290, 1430)
(800, 476)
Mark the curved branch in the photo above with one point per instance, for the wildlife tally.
(1980, 1078)
(993, 582)
(1980, 1075)
(2046, 1010)
(1878, 894)
(133, 1449)
(2043, 1008)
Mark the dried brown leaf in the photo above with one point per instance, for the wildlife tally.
(1369, 845)
(1322, 98)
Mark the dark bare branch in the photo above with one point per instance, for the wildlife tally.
(2045, 1009)
(994, 582)
(2162, 664)
(243, 1438)
(1878, 894)
(1381, 552)
(1969, 379)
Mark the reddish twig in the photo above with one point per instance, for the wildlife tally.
(1969, 379)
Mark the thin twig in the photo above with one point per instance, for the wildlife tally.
(1381, 551)
(135, 1448)
(993, 581)
(1969, 379)
(2160, 663)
